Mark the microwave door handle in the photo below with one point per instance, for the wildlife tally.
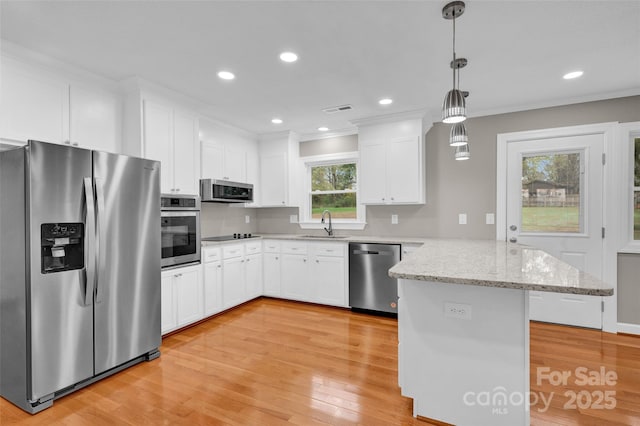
(102, 239)
(89, 242)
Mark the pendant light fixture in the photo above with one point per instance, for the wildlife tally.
(454, 109)
(458, 135)
(462, 152)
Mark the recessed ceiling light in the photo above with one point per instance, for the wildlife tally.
(323, 128)
(572, 74)
(226, 75)
(385, 101)
(276, 121)
(288, 57)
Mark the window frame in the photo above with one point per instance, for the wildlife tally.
(629, 133)
(306, 221)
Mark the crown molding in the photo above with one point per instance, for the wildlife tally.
(421, 114)
(347, 131)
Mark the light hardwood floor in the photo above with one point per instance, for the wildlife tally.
(273, 362)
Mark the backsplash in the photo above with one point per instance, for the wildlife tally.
(226, 219)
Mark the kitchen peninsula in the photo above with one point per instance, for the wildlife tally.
(463, 326)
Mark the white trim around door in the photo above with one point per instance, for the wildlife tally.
(611, 203)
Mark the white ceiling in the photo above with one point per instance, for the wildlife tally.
(351, 52)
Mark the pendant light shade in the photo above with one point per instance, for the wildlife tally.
(458, 135)
(454, 109)
(462, 152)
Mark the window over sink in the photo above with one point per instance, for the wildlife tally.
(331, 183)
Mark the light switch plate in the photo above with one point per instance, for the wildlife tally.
(394, 219)
(247, 218)
(462, 219)
(293, 218)
(491, 219)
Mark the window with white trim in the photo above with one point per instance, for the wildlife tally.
(636, 190)
(331, 184)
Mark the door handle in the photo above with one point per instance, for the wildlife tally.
(89, 242)
(102, 239)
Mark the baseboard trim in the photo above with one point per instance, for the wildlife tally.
(628, 328)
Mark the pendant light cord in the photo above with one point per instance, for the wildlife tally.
(453, 64)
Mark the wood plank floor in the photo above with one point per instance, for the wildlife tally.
(273, 362)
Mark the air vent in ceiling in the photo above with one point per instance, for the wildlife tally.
(341, 108)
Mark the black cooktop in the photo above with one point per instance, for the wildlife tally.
(229, 237)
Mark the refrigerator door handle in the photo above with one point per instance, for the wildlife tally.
(102, 239)
(90, 243)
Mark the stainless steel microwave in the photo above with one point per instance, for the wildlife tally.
(224, 191)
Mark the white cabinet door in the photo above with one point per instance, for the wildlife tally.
(168, 311)
(212, 160)
(273, 180)
(253, 177)
(95, 119)
(296, 282)
(372, 174)
(212, 288)
(233, 282)
(329, 282)
(185, 165)
(403, 170)
(188, 291)
(235, 162)
(33, 107)
(253, 275)
(271, 263)
(158, 140)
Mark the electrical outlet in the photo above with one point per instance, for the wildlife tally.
(247, 219)
(293, 218)
(394, 219)
(457, 310)
(462, 219)
(490, 219)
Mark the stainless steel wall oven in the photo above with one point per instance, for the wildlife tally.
(180, 223)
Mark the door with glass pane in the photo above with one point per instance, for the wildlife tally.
(554, 202)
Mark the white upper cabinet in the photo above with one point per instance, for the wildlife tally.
(278, 161)
(392, 162)
(185, 153)
(170, 136)
(220, 161)
(44, 106)
(95, 118)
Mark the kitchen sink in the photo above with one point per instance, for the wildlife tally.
(325, 236)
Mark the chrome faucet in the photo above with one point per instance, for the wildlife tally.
(330, 228)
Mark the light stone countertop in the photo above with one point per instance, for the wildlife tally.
(339, 238)
(496, 264)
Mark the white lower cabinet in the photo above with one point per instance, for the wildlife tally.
(314, 272)
(233, 276)
(253, 275)
(212, 280)
(271, 264)
(181, 290)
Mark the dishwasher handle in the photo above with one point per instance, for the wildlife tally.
(378, 252)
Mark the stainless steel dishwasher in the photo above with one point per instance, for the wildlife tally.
(370, 286)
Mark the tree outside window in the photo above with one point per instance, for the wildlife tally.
(636, 191)
(333, 188)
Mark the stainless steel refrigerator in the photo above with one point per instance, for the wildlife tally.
(79, 269)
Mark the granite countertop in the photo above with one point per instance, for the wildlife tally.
(496, 264)
(319, 237)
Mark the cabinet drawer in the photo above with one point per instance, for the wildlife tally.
(294, 247)
(232, 250)
(253, 247)
(337, 250)
(271, 246)
(211, 254)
